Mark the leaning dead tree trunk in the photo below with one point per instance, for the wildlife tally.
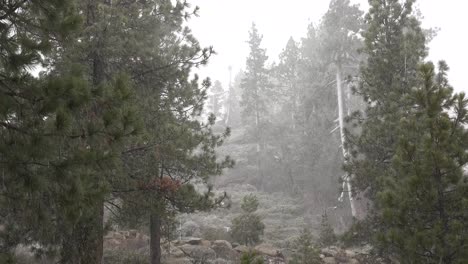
(346, 178)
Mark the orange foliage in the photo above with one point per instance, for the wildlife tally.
(165, 184)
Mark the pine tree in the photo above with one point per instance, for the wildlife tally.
(216, 99)
(339, 31)
(287, 127)
(255, 95)
(304, 250)
(425, 206)
(394, 46)
(247, 228)
(316, 151)
(56, 149)
(168, 165)
(232, 103)
(288, 79)
(327, 235)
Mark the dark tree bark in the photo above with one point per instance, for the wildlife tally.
(155, 238)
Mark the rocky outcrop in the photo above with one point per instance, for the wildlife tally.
(362, 255)
(191, 250)
(198, 252)
(224, 250)
(128, 240)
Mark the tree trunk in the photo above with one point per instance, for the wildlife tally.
(155, 239)
(260, 147)
(85, 243)
(347, 180)
(92, 250)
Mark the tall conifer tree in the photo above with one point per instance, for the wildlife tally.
(255, 94)
(425, 207)
(56, 149)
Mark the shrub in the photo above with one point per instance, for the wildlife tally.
(212, 233)
(124, 257)
(251, 257)
(248, 227)
(190, 228)
(327, 235)
(304, 251)
(249, 203)
(360, 232)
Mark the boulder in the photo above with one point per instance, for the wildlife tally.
(132, 233)
(118, 236)
(364, 250)
(222, 261)
(176, 252)
(329, 260)
(197, 252)
(222, 243)
(112, 243)
(350, 253)
(223, 249)
(188, 240)
(268, 250)
(126, 234)
(174, 260)
(242, 249)
(205, 243)
(329, 251)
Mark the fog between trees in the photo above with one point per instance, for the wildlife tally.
(118, 152)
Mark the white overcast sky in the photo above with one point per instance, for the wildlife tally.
(224, 24)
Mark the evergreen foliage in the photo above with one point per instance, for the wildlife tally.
(255, 82)
(216, 99)
(304, 249)
(327, 235)
(409, 154)
(394, 46)
(56, 150)
(247, 228)
(425, 208)
(251, 257)
(249, 203)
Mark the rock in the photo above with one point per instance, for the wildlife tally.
(242, 249)
(329, 260)
(221, 261)
(350, 253)
(118, 236)
(132, 233)
(364, 250)
(193, 241)
(145, 238)
(274, 260)
(126, 234)
(176, 252)
(135, 243)
(353, 261)
(205, 243)
(197, 252)
(112, 243)
(222, 243)
(188, 240)
(235, 244)
(265, 249)
(174, 260)
(329, 252)
(223, 249)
